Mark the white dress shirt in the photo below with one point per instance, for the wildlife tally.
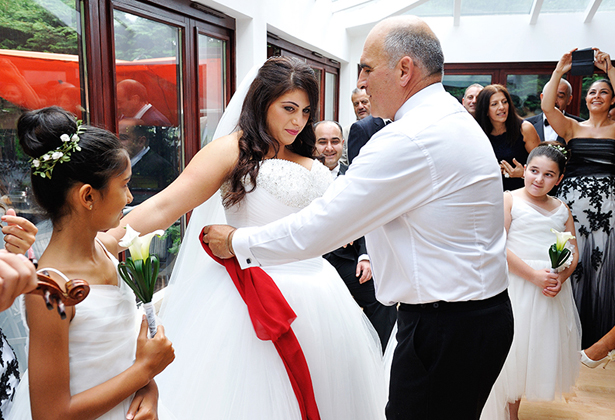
(426, 193)
(549, 133)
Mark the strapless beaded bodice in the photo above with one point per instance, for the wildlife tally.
(591, 157)
(282, 188)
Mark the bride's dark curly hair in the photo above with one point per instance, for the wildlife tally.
(276, 77)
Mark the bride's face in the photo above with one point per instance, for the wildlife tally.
(287, 116)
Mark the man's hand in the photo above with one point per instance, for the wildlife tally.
(364, 269)
(219, 238)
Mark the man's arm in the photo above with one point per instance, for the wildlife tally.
(387, 180)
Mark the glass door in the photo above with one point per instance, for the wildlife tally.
(212, 84)
(148, 88)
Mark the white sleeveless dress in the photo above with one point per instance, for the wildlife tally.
(222, 371)
(543, 361)
(102, 341)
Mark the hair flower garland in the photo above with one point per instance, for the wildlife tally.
(560, 149)
(43, 166)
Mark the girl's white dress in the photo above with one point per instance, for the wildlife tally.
(102, 340)
(543, 361)
(222, 371)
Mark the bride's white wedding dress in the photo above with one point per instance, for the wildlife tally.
(222, 371)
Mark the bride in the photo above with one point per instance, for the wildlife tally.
(264, 172)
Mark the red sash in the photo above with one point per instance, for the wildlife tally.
(271, 317)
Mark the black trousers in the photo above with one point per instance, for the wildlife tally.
(381, 317)
(447, 358)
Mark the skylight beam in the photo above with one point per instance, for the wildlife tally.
(535, 12)
(457, 12)
(591, 10)
(342, 5)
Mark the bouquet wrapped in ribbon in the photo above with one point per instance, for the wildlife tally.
(140, 270)
(559, 253)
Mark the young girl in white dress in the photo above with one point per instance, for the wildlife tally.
(265, 171)
(93, 364)
(543, 361)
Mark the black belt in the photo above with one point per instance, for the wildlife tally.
(468, 305)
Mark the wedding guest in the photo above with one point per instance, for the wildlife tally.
(17, 276)
(539, 121)
(90, 363)
(352, 260)
(512, 138)
(469, 97)
(587, 188)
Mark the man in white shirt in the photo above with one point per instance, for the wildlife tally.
(426, 191)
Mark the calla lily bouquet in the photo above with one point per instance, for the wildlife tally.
(140, 270)
(559, 252)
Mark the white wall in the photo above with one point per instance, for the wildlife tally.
(310, 24)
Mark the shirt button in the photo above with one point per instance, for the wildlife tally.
(435, 305)
(249, 261)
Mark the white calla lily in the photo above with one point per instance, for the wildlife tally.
(562, 238)
(138, 245)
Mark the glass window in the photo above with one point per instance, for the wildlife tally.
(456, 84)
(330, 95)
(525, 90)
(148, 109)
(39, 67)
(212, 84)
(490, 7)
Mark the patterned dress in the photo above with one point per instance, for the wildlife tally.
(9, 378)
(589, 190)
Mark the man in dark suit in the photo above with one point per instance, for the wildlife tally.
(540, 123)
(351, 261)
(151, 173)
(361, 132)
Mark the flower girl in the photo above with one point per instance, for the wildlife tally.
(91, 364)
(544, 358)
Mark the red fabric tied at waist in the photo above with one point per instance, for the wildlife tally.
(271, 316)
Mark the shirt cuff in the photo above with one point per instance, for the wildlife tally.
(364, 257)
(241, 248)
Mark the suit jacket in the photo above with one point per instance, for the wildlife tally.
(360, 133)
(358, 247)
(536, 121)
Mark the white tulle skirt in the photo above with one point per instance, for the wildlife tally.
(543, 362)
(222, 371)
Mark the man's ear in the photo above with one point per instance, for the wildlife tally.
(407, 69)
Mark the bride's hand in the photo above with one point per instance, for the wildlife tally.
(220, 240)
(153, 354)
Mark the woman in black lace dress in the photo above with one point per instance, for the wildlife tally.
(17, 276)
(589, 190)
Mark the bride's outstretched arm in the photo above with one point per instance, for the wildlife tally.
(200, 180)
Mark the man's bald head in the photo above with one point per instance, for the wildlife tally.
(411, 36)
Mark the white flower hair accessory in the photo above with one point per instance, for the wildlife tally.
(43, 166)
